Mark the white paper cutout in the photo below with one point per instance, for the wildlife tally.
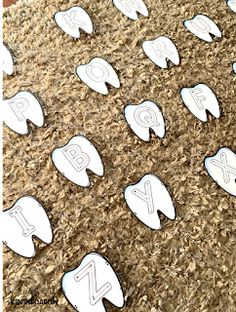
(130, 8)
(222, 168)
(146, 198)
(19, 109)
(74, 158)
(145, 117)
(93, 280)
(203, 27)
(25, 219)
(7, 61)
(161, 50)
(71, 20)
(232, 5)
(97, 73)
(199, 100)
(234, 67)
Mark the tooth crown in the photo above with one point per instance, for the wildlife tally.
(161, 50)
(199, 99)
(19, 109)
(96, 74)
(146, 198)
(232, 5)
(222, 169)
(143, 117)
(25, 219)
(131, 7)
(7, 61)
(74, 158)
(71, 20)
(93, 280)
(202, 26)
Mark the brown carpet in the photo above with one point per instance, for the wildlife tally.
(187, 266)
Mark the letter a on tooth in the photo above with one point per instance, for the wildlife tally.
(131, 7)
(97, 73)
(222, 168)
(25, 219)
(161, 50)
(74, 158)
(145, 117)
(232, 5)
(7, 61)
(203, 27)
(146, 198)
(92, 281)
(19, 109)
(199, 100)
(72, 20)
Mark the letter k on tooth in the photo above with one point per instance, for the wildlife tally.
(131, 7)
(74, 158)
(203, 27)
(72, 20)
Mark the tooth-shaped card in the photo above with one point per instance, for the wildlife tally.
(222, 168)
(161, 50)
(203, 27)
(232, 5)
(25, 219)
(92, 281)
(131, 7)
(199, 100)
(71, 20)
(74, 158)
(234, 67)
(7, 60)
(20, 109)
(145, 117)
(96, 74)
(146, 198)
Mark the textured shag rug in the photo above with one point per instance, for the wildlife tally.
(187, 266)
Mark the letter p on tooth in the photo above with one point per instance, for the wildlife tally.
(131, 7)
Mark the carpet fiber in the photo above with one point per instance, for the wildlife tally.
(187, 266)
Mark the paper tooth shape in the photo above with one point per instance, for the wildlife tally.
(97, 73)
(161, 50)
(72, 20)
(92, 281)
(234, 67)
(145, 117)
(222, 169)
(232, 5)
(7, 60)
(25, 219)
(146, 198)
(74, 158)
(20, 109)
(199, 100)
(203, 27)
(131, 7)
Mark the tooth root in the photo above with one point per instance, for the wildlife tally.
(131, 7)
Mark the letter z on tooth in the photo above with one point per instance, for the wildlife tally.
(131, 7)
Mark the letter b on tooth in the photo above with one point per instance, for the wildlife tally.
(76, 157)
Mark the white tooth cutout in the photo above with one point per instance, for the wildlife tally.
(130, 8)
(144, 117)
(232, 5)
(71, 20)
(20, 109)
(96, 74)
(199, 100)
(25, 219)
(74, 158)
(7, 61)
(160, 50)
(222, 168)
(92, 281)
(234, 67)
(202, 27)
(146, 198)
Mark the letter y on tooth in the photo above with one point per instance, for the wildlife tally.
(74, 158)
(161, 50)
(131, 7)
(7, 61)
(25, 219)
(72, 20)
(92, 281)
(232, 5)
(203, 27)
(199, 100)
